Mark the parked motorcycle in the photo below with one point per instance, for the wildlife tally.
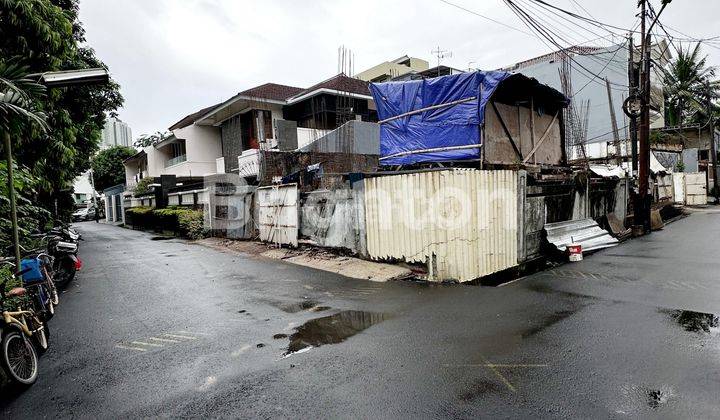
(61, 244)
(22, 336)
(65, 261)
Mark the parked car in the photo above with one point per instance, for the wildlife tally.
(87, 213)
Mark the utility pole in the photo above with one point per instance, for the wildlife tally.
(642, 208)
(644, 202)
(713, 149)
(632, 83)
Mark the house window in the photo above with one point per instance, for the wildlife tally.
(703, 155)
(177, 149)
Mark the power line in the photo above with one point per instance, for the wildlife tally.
(589, 20)
(485, 17)
(535, 26)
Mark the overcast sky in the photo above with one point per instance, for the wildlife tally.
(173, 57)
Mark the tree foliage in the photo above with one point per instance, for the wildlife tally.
(151, 139)
(686, 87)
(30, 216)
(46, 35)
(108, 168)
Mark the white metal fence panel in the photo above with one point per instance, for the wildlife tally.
(679, 187)
(278, 214)
(462, 224)
(695, 189)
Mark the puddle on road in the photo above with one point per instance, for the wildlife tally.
(548, 322)
(161, 238)
(695, 321)
(656, 398)
(332, 329)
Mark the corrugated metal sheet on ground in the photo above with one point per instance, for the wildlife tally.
(585, 232)
(461, 223)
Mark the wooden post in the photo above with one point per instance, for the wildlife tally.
(11, 194)
(532, 126)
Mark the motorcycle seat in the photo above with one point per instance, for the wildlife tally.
(17, 291)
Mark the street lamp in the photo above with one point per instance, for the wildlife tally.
(52, 79)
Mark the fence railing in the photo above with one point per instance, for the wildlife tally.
(175, 160)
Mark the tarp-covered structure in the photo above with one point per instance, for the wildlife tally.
(439, 119)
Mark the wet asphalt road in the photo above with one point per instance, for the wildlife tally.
(168, 328)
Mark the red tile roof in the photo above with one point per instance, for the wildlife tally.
(189, 119)
(272, 91)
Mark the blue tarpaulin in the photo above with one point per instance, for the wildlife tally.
(447, 132)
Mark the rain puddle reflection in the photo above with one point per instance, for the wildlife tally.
(332, 329)
(696, 321)
(305, 305)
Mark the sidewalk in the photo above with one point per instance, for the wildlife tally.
(314, 258)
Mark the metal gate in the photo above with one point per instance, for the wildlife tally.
(278, 214)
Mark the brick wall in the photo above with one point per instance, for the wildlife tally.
(275, 163)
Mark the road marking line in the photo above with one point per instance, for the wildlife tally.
(193, 333)
(502, 365)
(120, 346)
(180, 336)
(166, 340)
(142, 343)
(503, 379)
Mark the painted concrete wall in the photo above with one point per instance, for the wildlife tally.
(613, 64)
(330, 219)
(391, 69)
(202, 146)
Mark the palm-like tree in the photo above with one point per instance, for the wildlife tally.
(18, 111)
(686, 80)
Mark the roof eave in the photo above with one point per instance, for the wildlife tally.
(326, 90)
(234, 99)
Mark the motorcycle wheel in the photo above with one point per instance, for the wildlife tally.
(64, 273)
(18, 358)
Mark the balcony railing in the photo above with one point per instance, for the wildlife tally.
(249, 163)
(175, 160)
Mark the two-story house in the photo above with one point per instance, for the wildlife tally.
(273, 116)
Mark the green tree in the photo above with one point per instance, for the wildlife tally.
(686, 80)
(49, 37)
(149, 140)
(18, 117)
(108, 168)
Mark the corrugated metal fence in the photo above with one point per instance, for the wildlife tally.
(462, 223)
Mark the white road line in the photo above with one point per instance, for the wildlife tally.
(166, 340)
(185, 337)
(120, 346)
(191, 333)
(142, 343)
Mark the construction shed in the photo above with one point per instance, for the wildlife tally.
(493, 118)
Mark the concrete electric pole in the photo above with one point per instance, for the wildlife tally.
(713, 149)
